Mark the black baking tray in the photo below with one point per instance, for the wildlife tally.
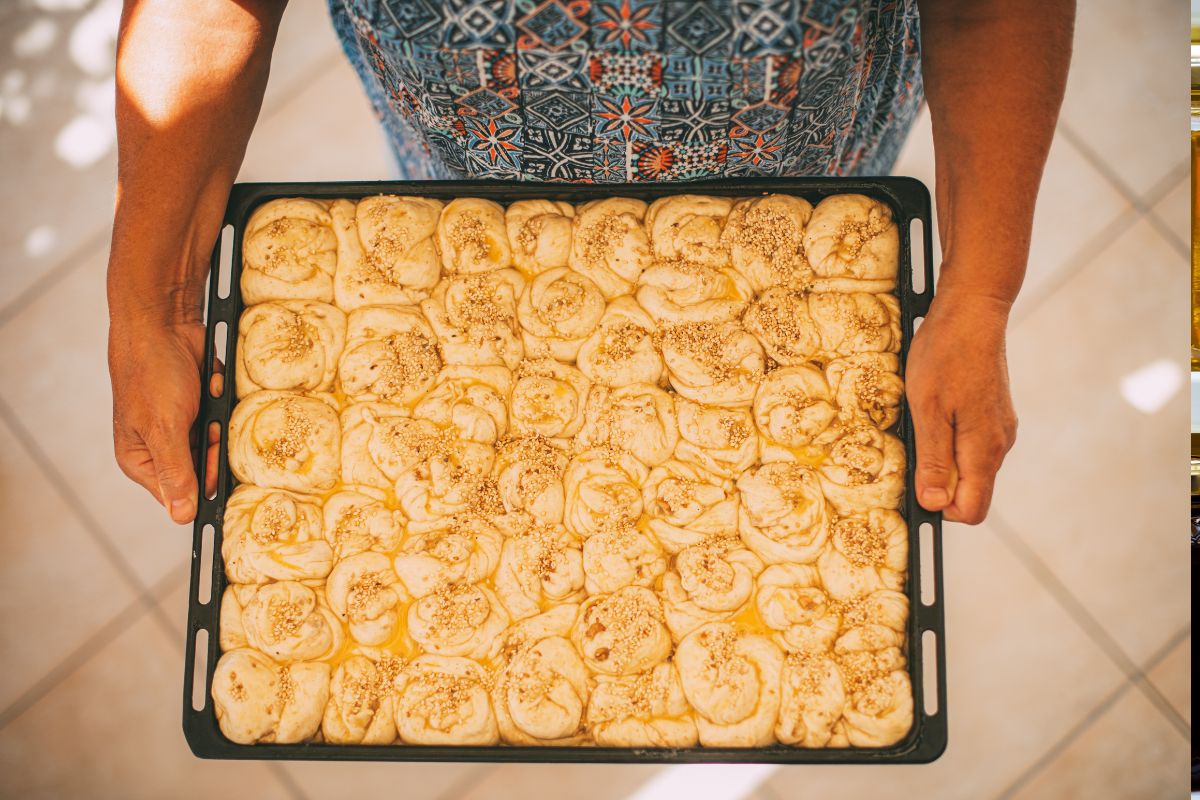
(909, 200)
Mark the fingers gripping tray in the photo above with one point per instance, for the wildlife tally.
(909, 202)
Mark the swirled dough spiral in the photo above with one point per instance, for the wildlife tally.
(812, 702)
(684, 505)
(610, 244)
(542, 686)
(443, 700)
(881, 713)
(457, 619)
(464, 549)
(285, 441)
(272, 535)
(539, 233)
(792, 603)
(620, 556)
(529, 477)
(256, 700)
(874, 622)
(793, 406)
(765, 236)
(361, 707)
(286, 620)
(603, 489)
(622, 349)
(644, 710)
(688, 226)
(732, 681)
(475, 318)
(622, 633)
(718, 364)
(710, 582)
(540, 566)
(472, 237)
(365, 593)
(386, 252)
(289, 345)
(391, 355)
(639, 418)
(781, 322)
(558, 310)
(358, 519)
(853, 244)
(289, 252)
(548, 398)
(674, 292)
(782, 517)
(470, 401)
(867, 386)
(866, 552)
(864, 470)
(719, 440)
(380, 442)
(855, 323)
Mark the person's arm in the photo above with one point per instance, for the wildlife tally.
(994, 73)
(190, 79)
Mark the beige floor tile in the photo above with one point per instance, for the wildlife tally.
(326, 132)
(112, 729)
(1127, 93)
(1129, 753)
(1173, 677)
(58, 585)
(306, 42)
(1175, 211)
(1092, 483)
(54, 372)
(577, 781)
(1010, 648)
(416, 781)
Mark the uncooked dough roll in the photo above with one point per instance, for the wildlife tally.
(639, 418)
(443, 700)
(874, 623)
(732, 681)
(539, 234)
(710, 582)
(644, 710)
(457, 619)
(542, 686)
(603, 489)
(684, 505)
(358, 519)
(864, 470)
(386, 252)
(793, 406)
(256, 700)
(529, 477)
(475, 318)
(548, 398)
(719, 440)
(812, 702)
(271, 535)
(540, 566)
(855, 323)
(289, 345)
(681, 291)
(365, 593)
(285, 441)
(793, 605)
(867, 386)
(361, 707)
(472, 402)
(781, 322)
(620, 556)
(867, 552)
(881, 713)
(287, 621)
(559, 309)
(717, 364)
(380, 442)
(610, 244)
(391, 354)
(463, 549)
(622, 633)
(471, 236)
(782, 516)
(688, 226)
(853, 244)
(622, 349)
(765, 236)
(289, 252)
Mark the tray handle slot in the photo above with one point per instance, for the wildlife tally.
(200, 670)
(204, 590)
(916, 251)
(224, 271)
(929, 673)
(925, 543)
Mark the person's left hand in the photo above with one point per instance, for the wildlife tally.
(957, 386)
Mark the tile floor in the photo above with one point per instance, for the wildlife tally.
(1068, 624)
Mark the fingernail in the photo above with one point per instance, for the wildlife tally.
(181, 510)
(935, 497)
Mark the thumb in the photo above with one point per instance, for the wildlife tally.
(175, 472)
(937, 476)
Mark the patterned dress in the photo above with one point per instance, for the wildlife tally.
(633, 90)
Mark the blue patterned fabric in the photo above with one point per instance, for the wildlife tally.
(630, 90)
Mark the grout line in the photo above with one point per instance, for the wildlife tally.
(279, 770)
(1152, 692)
(466, 783)
(765, 792)
(1100, 164)
(49, 279)
(1167, 233)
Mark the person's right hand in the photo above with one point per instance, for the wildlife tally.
(155, 370)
